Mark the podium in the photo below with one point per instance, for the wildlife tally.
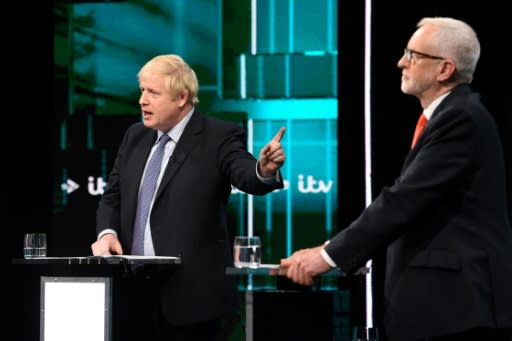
(277, 309)
(89, 298)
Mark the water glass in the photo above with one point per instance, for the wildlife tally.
(34, 245)
(247, 252)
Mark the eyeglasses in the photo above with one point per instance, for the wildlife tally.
(411, 55)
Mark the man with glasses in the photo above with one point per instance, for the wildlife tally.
(412, 55)
(444, 222)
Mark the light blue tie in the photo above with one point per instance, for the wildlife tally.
(146, 193)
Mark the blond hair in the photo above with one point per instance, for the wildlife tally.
(179, 76)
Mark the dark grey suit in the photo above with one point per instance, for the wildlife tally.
(189, 215)
(445, 220)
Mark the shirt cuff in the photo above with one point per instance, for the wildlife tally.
(269, 181)
(106, 231)
(327, 258)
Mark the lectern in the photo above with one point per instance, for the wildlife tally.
(281, 310)
(89, 298)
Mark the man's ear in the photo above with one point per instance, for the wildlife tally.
(183, 99)
(447, 70)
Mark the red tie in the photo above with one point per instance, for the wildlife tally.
(422, 122)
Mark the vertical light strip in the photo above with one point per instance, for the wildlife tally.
(254, 26)
(291, 27)
(64, 187)
(329, 15)
(368, 148)
(268, 199)
(328, 166)
(289, 198)
(334, 78)
(71, 41)
(63, 135)
(243, 76)
(219, 49)
(178, 30)
(241, 217)
(261, 76)
(287, 86)
(272, 27)
(250, 199)
(90, 139)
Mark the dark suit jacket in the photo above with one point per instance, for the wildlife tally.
(449, 260)
(189, 215)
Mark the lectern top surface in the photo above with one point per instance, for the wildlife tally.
(99, 260)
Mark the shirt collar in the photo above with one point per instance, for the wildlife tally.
(177, 130)
(428, 111)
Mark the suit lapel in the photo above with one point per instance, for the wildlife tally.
(457, 92)
(188, 140)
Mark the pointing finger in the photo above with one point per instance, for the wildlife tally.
(279, 135)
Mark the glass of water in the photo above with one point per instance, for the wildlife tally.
(247, 252)
(34, 245)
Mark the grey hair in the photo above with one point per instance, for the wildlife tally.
(455, 40)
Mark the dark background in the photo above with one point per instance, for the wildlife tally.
(28, 139)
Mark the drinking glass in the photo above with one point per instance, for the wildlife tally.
(247, 252)
(34, 245)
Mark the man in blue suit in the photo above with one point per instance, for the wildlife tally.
(203, 159)
(444, 221)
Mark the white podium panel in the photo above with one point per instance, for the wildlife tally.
(75, 308)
